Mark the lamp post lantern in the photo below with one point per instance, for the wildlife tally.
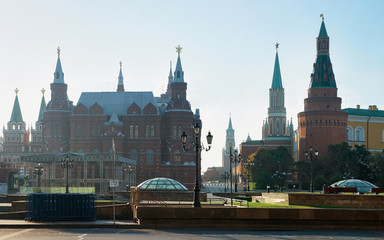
(310, 157)
(198, 147)
(67, 163)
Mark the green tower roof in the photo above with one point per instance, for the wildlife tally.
(43, 107)
(16, 111)
(323, 30)
(276, 81)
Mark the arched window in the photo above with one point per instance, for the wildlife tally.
(133, 154)
(359, 134)
(177, 157)
(178, 74)
(349, 134)
(149, 157)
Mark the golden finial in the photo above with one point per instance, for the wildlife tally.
(277, 46)
(16, 91)
(121, 64)
(322, 17)
(178, 49)
(43, 91)
(58, 51)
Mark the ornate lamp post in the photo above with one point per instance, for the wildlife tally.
(67, 163)
(128, 170)
(225, 175)
(310, 157)
(39, 170)
(198, 146)
(249, 165)
(234, 157)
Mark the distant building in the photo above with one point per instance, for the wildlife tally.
(229, 144)
(145, 129)
(366, 127)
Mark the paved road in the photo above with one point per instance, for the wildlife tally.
(143, 234)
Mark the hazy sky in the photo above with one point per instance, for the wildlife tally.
(228, 53)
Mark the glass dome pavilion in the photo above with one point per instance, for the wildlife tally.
(362, 186)
(162, 184)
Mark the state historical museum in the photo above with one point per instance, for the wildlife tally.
(144, 128)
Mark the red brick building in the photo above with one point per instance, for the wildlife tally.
(145, 128)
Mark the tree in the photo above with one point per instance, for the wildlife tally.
(270, 167)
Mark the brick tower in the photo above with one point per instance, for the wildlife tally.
(322, 122)
(56, 131)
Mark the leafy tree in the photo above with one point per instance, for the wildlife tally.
(270, 167)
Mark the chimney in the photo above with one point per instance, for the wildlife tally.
(358, 106)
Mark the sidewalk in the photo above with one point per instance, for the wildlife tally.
(5, 223)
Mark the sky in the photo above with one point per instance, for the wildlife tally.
(227, 57)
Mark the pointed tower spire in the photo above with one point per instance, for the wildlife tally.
(179, 74)
(276, 81)
(120, 85)
(16, 111)
(230, 123)
(58, 75)
(43, 106)
(170, 77)
(322, 75)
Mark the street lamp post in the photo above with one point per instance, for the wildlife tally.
(248, 165)
(310, 157)
(234, 157)
(128, 170)
(39, 169)
(225, 175)
(67, 163)
(198, 146)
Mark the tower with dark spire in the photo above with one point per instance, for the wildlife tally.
(275, 124)
(229, 143)
(322, 123)
(56, 130)
(178, 116)
(16, 136)
(120, 84)
(37, 132)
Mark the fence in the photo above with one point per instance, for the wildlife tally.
(43, 206)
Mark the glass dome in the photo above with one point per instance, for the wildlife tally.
(362, 186)
(161, 184)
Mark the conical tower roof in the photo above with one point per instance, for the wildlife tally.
(178, 74)
(276, 81)
(120, 84)
(322, 75)
(58, 75)
(16, 111)
(323, 30)
(43, 107)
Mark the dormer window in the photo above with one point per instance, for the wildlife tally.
(57, 75)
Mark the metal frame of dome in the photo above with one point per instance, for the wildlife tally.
(361, 185)
(162, 184)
